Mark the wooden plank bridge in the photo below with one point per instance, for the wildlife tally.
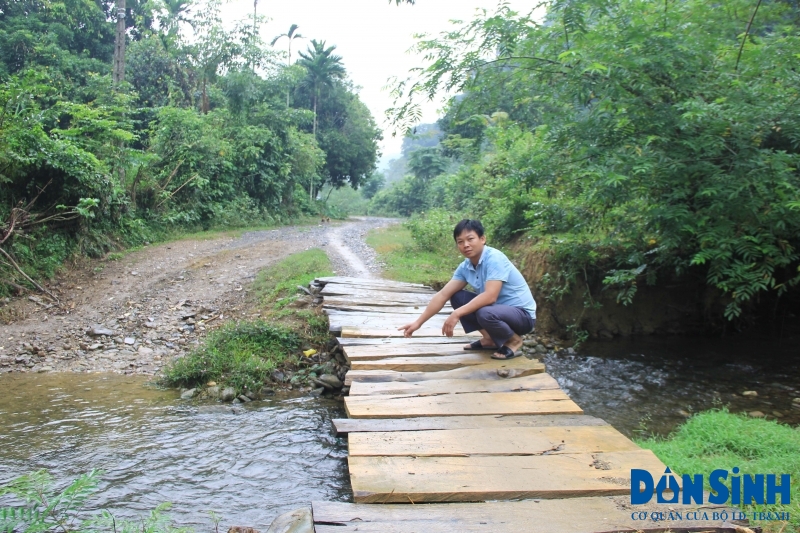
(499, 441)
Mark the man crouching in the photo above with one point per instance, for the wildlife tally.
(503, 307)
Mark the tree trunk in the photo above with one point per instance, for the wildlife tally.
(118, 74)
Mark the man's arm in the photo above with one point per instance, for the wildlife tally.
(489, 296)
(434, 306)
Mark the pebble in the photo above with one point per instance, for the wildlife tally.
(99, 331)
(330, 381)
(130, 340)
(756, 414)
(777, 414)
(143, 350)
(750, 393)
(228, 394)
(244, 399)
(45, 369)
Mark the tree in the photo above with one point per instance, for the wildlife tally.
(291, 35)
(323, 67)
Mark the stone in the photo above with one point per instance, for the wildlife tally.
(94, 347)
(570, 351)
(244, 399)
(188, 395)
(317, 391)
(750, 393)
(143, 350)
(251, 395)
(98, 331)
(278, 376)
(299, 521)
(331, 381)
(266, 391)
(756, 414)
(531, 343)
(130, 340)
(213, 391)
(540, 349)
(228, 394)
(777, 414)
(45, 369)
(236, 401)
(211, 384)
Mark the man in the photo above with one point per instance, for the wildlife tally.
(503, 308)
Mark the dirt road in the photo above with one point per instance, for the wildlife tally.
(132, 315)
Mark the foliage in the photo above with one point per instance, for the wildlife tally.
(642, 131)
(406, 261)
(48, 509)
(201, 134)
(719, 439)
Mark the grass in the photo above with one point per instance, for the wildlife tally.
(405, 261)
(718, 439)
(244, 354)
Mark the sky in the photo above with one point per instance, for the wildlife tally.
(372, 36)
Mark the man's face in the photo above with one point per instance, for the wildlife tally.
(470, 245)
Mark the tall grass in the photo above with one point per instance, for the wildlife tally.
(405, 260)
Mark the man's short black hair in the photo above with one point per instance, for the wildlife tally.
(468, 225)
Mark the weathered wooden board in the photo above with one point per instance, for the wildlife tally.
(455, 386)
(367, 281)
(366, 353)
(573, 515)
(402, 341)
(343, 426)
(410, 309)
(333, 289)
(449, 479)
(519, 441)
(492, 370)
(424, 331)
(544, 402)
(345, 292)
(385, 321)
(352, 301)
(433, 363)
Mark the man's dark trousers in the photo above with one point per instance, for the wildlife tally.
(499, 321)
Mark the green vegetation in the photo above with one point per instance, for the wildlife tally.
(407, 261)
(47, 509)
(211, 128)
(637, 142)
(243, 354)
(719, 439)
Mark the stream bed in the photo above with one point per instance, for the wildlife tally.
(250, 463)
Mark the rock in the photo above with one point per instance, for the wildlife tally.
(213, 392)
(242, 529)
(130, 340)
(540, 349)
(98, 331)
(777, 414)
(756, 414)
(143, 350)
(684, 413)
(750, 393)
(236, 400)
(796, 400)
(278, 376)
(317, 391)
(531, 343)
(188, 395)
(331, 381)
(571, 351)
(211, 384)
(266, 391)
(299, 521)
(45, 369)
(228, 394)
(94, 347)
(244, 399)
(150, 325)
(251, 395)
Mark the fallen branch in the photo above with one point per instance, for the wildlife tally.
(18, 269)
(10, 283)
(173, 193)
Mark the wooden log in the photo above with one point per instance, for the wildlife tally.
(492, 370)
(432, 363)
(481, 478)
(344, 426)
(574, 515)
(516, 441)
(434, 387)
(544, 402)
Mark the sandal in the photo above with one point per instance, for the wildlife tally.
(477, 345)
(507, 353)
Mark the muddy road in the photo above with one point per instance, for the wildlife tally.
(132, 315)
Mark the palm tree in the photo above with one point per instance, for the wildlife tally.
(322, 68)
(291, 35)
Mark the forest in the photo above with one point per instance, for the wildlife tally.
(192, 126)
(635, 143)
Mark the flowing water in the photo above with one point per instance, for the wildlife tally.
(653, 384)
(248, 464)
(252, 462)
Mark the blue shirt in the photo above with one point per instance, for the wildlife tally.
(495, 266)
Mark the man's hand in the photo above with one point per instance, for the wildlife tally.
(409, 329)
(449, 325)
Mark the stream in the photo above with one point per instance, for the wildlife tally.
(250, 463)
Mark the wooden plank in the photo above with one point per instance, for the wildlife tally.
(492, 370)
(448, 479)
(424, 331)
(432, 363)
(366, 281)
(345, 292)
(500, 441)
(398, 341)
(455, 386)
(387, 310)
(385, 321)
(351, 301)
(343, 426)
(544, 402)
(574, 515)
(367, 353)
(347, 289)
